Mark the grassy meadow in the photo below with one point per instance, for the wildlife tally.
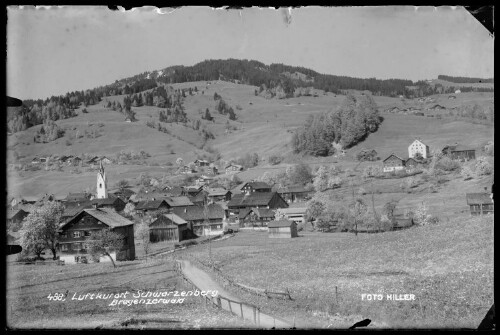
(28, 287)
(447, 266)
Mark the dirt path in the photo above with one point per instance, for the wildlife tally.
(204, 282)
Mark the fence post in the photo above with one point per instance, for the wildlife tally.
(229, 303)
(258, 311)
(241, 308)
(219, 303)
(254, 315)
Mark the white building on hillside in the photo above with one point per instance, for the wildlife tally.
(418, 147)
(102, 190)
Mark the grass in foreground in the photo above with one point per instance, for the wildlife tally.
(29, 308)
(449, 268)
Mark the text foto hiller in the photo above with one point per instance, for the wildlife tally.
(390, 297)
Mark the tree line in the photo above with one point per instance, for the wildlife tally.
(348, 125)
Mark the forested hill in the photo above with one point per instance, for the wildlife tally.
(465, 80)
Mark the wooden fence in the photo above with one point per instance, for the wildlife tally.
(253, 312)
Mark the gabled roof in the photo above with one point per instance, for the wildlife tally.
(280, 223)
(417, 140)
(293, 210)
(108, 216)
(178, 201)
(460, 148)
(235, 165)
(13, 212)
(175, 191)
(401, 159)
(151, 204)
(251, 200)
(172, 217)
(72, 211)
(196, 213)
(259, 212)
(478, 198)
(215, 192)
(257, 185)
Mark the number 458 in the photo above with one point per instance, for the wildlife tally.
(56, 296)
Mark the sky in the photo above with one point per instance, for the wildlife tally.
(55, 50)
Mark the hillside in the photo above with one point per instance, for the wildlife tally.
(263, 126)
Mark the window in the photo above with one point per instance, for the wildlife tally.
(76, 234)
(86, 233)
(64, 247)
(100, 185)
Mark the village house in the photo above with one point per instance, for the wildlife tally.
(192, 190)
(77, 197)
(15, 216)
(270, 200)
(124, 193)
(111, 202)
(233, 168)
(282, 229)
(459, 152)
(412, 163)
(295, 214)
(251, 217)
(218, 194)
(212, 170)
(186, 169)
(480, 203)
(168, 227)
(75, 161)
(203, 221)
(74, 232)
(418, 147)
(255, 186)
(200, 199)
(176, 202)
(151, 207)
(201, 162)
(294, 193)
(393, 163)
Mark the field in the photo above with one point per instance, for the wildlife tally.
(448, 267)
(29, 286)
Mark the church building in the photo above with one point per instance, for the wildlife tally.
(102, 190)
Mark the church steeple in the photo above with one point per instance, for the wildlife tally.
(102, 191)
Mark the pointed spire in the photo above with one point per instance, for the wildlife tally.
(101, 168)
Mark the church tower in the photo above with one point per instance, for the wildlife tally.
(102, 191)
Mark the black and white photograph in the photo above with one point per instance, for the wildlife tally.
(195, 167)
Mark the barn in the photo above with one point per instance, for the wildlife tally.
(393, 163)
(168, 227)
(282, 229)
(480, 203)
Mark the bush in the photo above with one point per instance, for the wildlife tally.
(447, 164)
(467, 172)
(274, 159)
(483, 166)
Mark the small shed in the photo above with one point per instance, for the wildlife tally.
(282, 229)
(480, 203)
(168, 227)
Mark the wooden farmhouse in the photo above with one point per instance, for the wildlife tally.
(255, 186)
(218, 194)
(175, 202)
(295, 214)
(168, 227)
(233, 168)
(111, 202)
(123, 194)
(151, 207)
(201, 162)
(393, 163)
(459, 152)
(202, 221)
(294, 193)
(192, 190)
(16, 215)
(200, 199)
(412, 163)
(74, 232)
(480, 203)
(212, 170)
(269, 200)
(418, 147)
(282, 229)
(251, 217)
(77, 197)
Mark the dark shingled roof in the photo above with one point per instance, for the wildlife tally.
(194, 213)
(216, 192)
(394, 156)
(77, 197)
(178, 201)
(108, 216)
(478, 198)
(257, 185)
(74, 210)
(13, 212)
(172, 217)
(280, 223)
(260, 212)
(251, 200)
(150, 204)
(106, 201)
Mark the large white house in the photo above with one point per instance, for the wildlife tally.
(418, 147)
